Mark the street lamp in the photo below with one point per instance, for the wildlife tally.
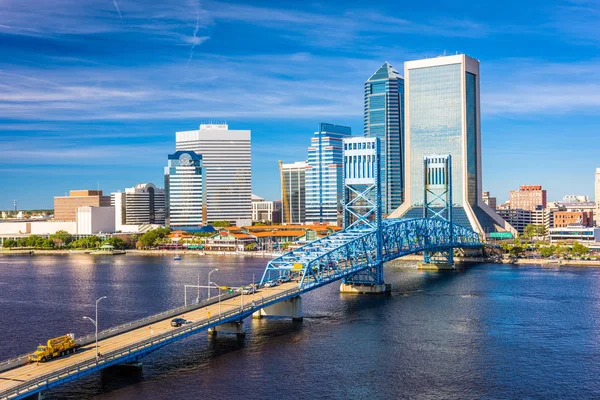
(216, 269)
(212, 283)
(95, 322)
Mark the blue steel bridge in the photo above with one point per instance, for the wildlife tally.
(354, 256)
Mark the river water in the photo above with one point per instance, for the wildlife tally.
(490, 331)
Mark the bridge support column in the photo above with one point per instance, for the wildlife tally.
(287, 308)
(236, 328)
(353, 288)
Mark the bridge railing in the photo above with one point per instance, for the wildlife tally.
(140, 347)
(126, 327)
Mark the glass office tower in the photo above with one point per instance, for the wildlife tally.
(442, 117)
(324, 175)
(384, 119)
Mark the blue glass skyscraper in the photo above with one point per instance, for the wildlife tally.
(384, 119)
(324, 175)
(442, 117)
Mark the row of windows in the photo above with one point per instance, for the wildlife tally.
(359, 146)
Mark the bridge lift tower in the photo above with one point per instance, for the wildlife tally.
(362, 208)
(437, 204)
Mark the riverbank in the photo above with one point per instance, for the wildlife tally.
(159, 253)
(197, 253)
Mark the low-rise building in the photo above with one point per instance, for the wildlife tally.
(563, 219)
(265, 211)
(571, 234)
(93, 220)
(65, 207)
(519, 218)
(231, 238)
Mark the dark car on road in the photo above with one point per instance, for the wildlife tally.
(177, 322)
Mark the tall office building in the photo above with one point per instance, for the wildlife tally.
(139, 205)
(226, 157)
(185, 191)
(597, 197)
(294, 197)
(531, 197)
(442, 117)
(324, 175)
(384, 118)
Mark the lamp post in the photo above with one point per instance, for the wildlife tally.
(216, 269)
(212, 283)
(95, 322)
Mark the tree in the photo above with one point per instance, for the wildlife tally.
(579, 249)
(547, 251)
(32, 240)
(61, 238)
(250, 246)
(560, 251)
(8, 243)
(220, 224)
(153, 237)
(115, 242)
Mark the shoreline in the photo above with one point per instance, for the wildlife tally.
(155, 253)
(264, 254)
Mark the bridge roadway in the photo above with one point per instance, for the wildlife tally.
(230, 309)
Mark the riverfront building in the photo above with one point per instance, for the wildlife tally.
(384, 119)
(294, 179)
(185, 191)
(324, 175)
(226, 157)
(144, 204)
(528, 198)
(442, 117)
(65, 207)
(265, 211)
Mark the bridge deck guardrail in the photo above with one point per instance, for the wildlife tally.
(118, 356)
(126, 327)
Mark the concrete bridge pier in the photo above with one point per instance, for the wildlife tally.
(356, 288)
(35, 396)
(236, 328)
(287, 308)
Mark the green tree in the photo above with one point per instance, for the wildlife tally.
(579, 250)
(250, 246)
(9, 243)
(560, 251)
(547, 251)
(61, 238)
(220, 224)
(115, 242)
(32, 240)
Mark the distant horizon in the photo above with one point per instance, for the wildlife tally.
(92, 94)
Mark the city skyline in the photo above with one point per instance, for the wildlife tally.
(75, 114)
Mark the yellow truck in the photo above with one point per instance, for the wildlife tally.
(59, 346)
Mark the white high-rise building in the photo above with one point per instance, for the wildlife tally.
(294, 177)
(226, 158)
(597, 198)
(185, 191)
(139, 205)
(442, 116)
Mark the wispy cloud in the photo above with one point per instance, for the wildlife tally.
(534, 87)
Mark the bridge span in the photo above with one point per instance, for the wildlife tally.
(354, 256)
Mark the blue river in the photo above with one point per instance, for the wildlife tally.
(489, 331)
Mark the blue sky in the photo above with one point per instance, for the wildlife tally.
(92, 92)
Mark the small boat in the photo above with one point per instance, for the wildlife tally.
(177, 257)
(107, 249)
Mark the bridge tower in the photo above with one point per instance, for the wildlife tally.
(362, 208)
(437, 204)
